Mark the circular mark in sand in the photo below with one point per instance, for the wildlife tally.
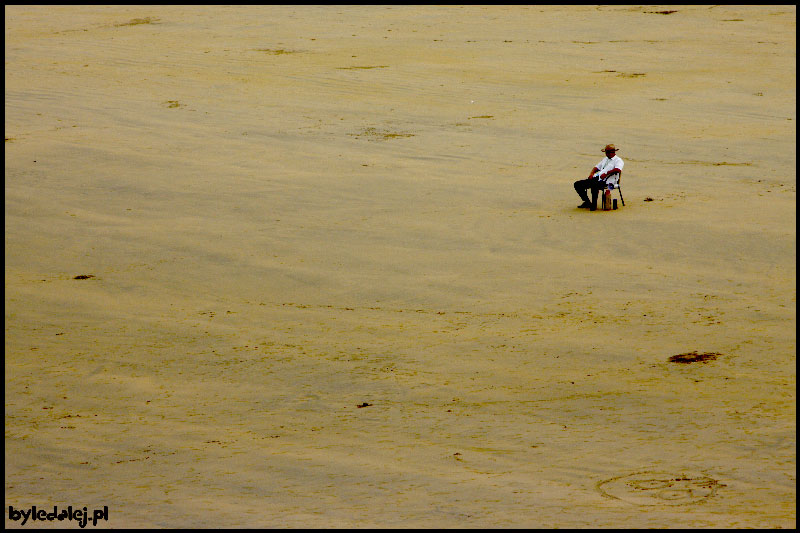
(659, 488)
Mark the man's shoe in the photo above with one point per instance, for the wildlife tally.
(592, 208)
(585, 204)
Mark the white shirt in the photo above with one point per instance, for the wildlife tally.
(609, 164)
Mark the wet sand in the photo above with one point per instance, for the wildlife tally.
(323, 266)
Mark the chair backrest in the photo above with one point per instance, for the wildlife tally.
(619, 180)
(619, 187)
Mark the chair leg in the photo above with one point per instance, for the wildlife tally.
(619, 190)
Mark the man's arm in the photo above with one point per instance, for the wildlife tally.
(595, 169)
(614, 170)
(618, 164)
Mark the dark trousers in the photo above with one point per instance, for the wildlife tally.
(581, 186)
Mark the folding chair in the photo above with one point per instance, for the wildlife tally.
(618, 186)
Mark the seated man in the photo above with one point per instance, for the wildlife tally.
(605, 173)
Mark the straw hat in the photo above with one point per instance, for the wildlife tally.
(609, 147)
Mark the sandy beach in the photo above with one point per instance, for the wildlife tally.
(323, 267)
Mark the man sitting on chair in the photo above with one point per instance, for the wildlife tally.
(604, 174)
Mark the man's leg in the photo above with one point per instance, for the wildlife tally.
(580, 188)
(597, 186)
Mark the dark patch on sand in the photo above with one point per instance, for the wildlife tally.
(362, 68)
(275, 51)
(138, 22)
(694, 357)
(380, 135)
